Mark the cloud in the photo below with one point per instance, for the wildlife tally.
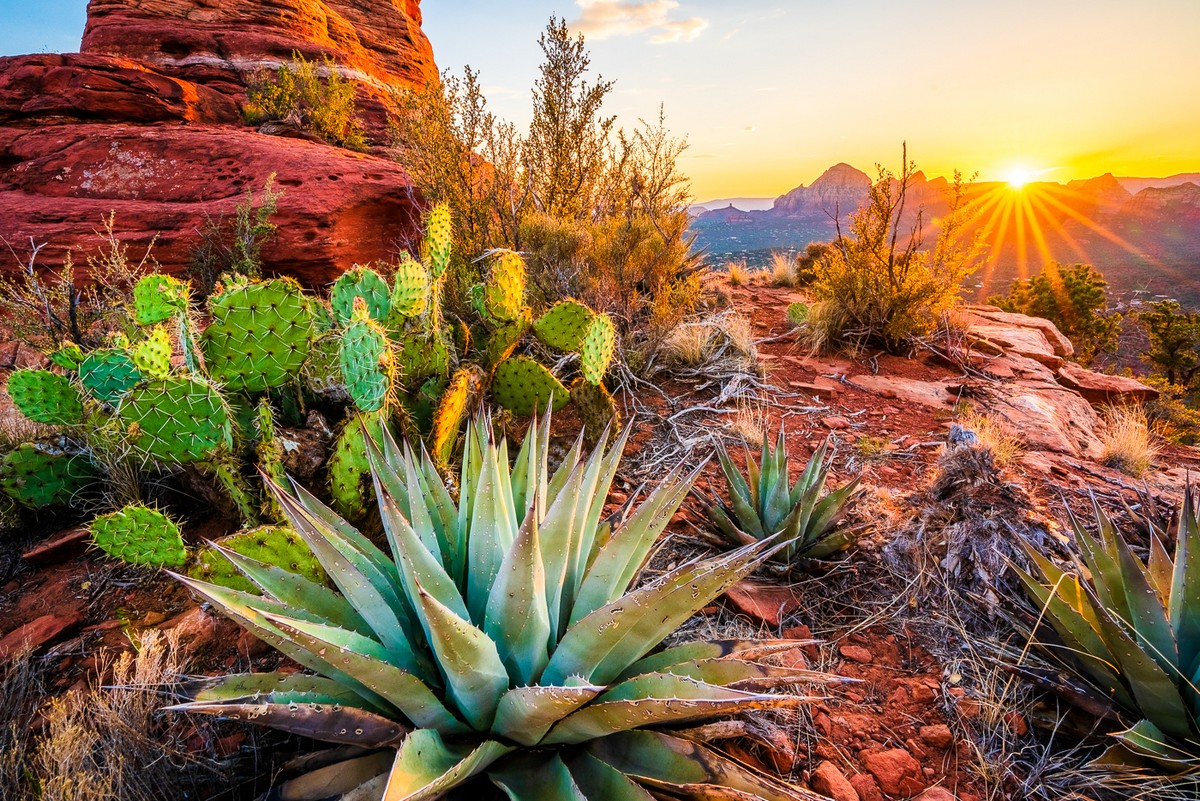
(600, 19)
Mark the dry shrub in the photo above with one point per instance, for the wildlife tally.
(723, 342)
(20, 690)
(737, 274)
(1126, 442)
(783, 270)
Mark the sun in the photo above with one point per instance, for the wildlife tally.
(1018, 175)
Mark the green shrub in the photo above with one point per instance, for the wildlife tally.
(1174, 334)
(313, 94)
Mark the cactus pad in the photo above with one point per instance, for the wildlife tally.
(260, 335)
(359, 282)
(438, 240)
(523, 386)
(504, 340)
(157, 298)
(275, 545)
(366, 359)
(46, 397)
(596, 407)
(141, 536)
(564, 326)
(322, 370)
(152, 355)
(37, 475)
(107, 374)
(176, 420)
(797, 313)
(463, 393)
(422, 357)
(504, 292)
(596, 350)
(410, 290)
(68, 357)
(349, 469)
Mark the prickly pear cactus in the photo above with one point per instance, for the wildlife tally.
(176, 420)
(457, 402)
(421, 357)
(502, 341)
(260, 335)
(366, 360)
(438, 240)
(410, 290)
(108, 373)
(596, 350)
(269, 453)
(141, 536)
(564, 326)
(359, 282)
(797, 313)
(524, 386)
(46, 397)
(504, 290)
(349, 470)
(597, 408)
(159, 297)
(37, 475)
(322, 370)
(152, 355)
(68, 357)
(277, 546)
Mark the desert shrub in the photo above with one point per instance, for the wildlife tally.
(805, 270)
(1074, 299)
(783, 270)
(716, 343)
(312, 94)
(1174, 334)
(876, 285)
(993, 434)
(1170, 414)
(1126, 441)
(235, 245)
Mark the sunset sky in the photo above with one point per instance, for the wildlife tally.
(769, 94)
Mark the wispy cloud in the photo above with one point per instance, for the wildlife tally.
(600, 19)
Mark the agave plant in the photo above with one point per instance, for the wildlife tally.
(500, 637)
(762, 505)
(1132, 632)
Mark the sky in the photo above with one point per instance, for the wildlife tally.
(769, 94)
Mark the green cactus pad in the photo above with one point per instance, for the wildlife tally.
(596, 350)
(46, 397)
(597, 408)
(152, 355)
(359, 282)
(322, 370)
(141, 536)
(421, 357)
(349, 469)
(797, 313)
(158, 297)
(260, 335)
(438, 240)
(457, 402)
(505, 338)
(367, 363)
(275, 545)
(410, 290)
(176, 420)
(107, 374)
(504, 292)
(36, 475)
(68, 357)
(523, 386)
(564, 326)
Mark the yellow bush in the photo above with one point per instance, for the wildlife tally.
(298, 92)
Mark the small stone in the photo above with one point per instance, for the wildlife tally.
(866, 787)
(936, 794)
(937, 735)
(856, 653)
(62, 547)
(835, 423)
(828, 780)
(765, 603)
(896, 771)
(37, 633)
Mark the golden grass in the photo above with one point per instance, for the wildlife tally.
(1126, 441)
(689, 344)
(783, 269)
(750, 421)
(737, 274)
(995, 435)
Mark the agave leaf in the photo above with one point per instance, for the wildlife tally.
(469, 662)
(607, 641)
(1185, 583)
(741, 674)
(600, 781)
(565, 469)
(658, 698)
(537, 777)
(492, 531)
(270, 685)
(1161, 568)
(394, 480)
(681, 766)
(295, 591)
(525, 714)
(707, 650)
(332, 724)
(774, 500)
(814, 473)
(425, 767)
(1147, 740)
(368, 664)
(332, 781)
(740, 497)
(418, 567)
(558, 532)
(517, 618)
(598, 474)
(1107, 579)
(1148, 620)
(726, 525)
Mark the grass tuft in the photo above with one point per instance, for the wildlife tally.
(1126, 441)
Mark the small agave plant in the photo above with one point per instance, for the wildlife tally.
(499, 638)
(1131, 630)
(762, 505)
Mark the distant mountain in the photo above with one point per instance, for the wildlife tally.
(838, 190)
(1135, 185)
(738, 203)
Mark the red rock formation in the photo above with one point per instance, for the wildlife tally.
(147, 124)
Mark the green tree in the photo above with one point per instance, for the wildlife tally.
(1074, 298)
(311, 94)
(1174, 334)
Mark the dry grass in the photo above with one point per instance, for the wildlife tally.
(737, 274)
(1126, 441)
(783, 270)
(995, 435)
(689, 344)
(750, 421)
(726, 339)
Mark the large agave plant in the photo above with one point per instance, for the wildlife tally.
(499, 637)
(1132, 631)
(762, 504)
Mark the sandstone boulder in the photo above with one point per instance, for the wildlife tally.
(1102, 388)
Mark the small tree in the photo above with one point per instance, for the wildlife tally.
(1074, 299)
(1174, 341)
(876, 285)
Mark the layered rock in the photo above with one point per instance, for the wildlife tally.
(838, 190)
(147, 124)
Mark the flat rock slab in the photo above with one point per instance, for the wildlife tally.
(1102, 388)
(764, 603)
(38, 633)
